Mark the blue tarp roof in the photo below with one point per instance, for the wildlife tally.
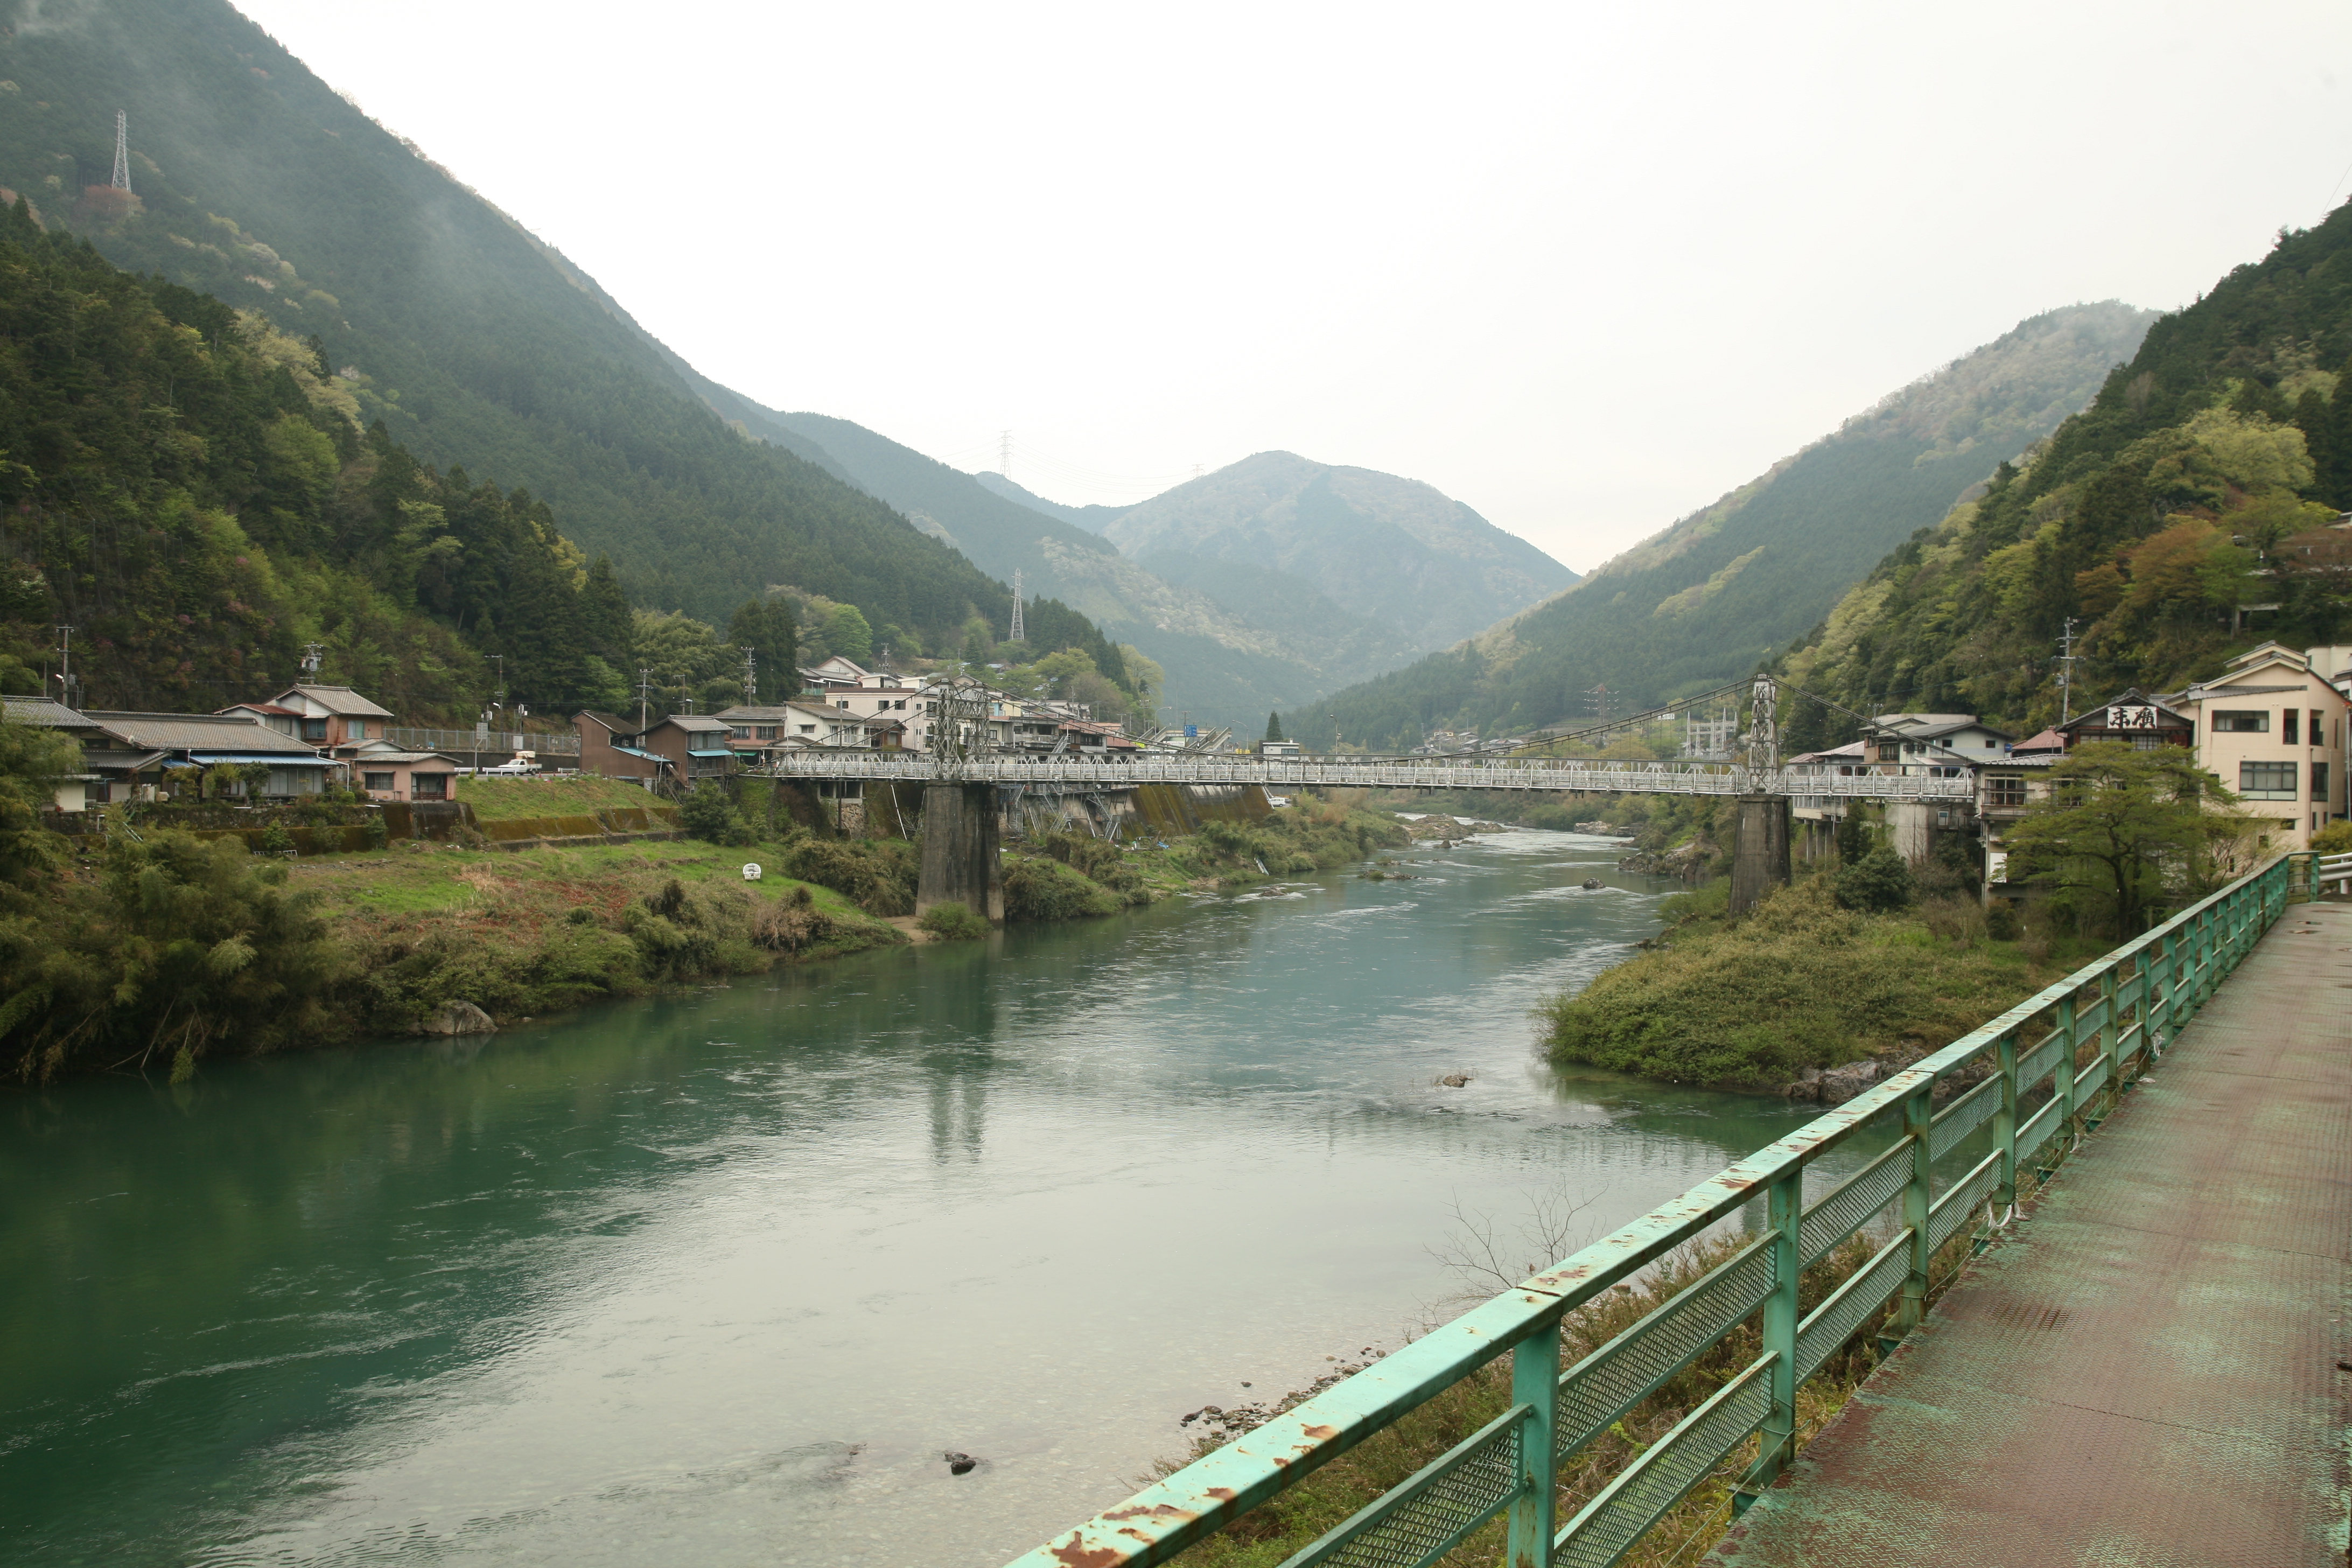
(633, 752)
(691, 753)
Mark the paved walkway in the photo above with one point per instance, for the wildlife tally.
(2148, 1372)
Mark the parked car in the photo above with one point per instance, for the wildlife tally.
(510, 770)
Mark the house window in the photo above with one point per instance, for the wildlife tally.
(2242, 722)
(2005, 792)
(2267, 781)
(2319, 783)
(358, 730)
(2289, 721)
(428, 786)
(1888, 750)
(2318, 727)
(385, 781)
(764, 732)
(314, 728)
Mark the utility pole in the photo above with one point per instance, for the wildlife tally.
(644, 684)
(1019, 634)
(751, 678)
(500, 661)
(65, 666)
(122, 152)
(2066, 672)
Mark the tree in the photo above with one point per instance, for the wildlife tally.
(604, 614)
(848, 635)
(2126, 830)
(33, 758)
(1274, 727)
(765, 626)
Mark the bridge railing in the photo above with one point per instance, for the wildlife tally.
(1286, 773)
(2037, 1076)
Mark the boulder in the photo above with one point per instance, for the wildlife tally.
(458, 1018)
(1841, 1084)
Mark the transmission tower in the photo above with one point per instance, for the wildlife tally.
(1020, 634)
(1596, 701)
(122, 151)
(750, 677)
(1005, 454)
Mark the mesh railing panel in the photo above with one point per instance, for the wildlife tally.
(2039, 1061)
(1954, 1209)
(2089, 1082)
(1835, 1319)
(2088, 1017)
(1964, 1116)
(1620, 1374)
(2038, 1128)
(1422, 1520)
(1600, 1534)
(1850, 1206)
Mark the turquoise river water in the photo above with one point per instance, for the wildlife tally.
(717, 1279)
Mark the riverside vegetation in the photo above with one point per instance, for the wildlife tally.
(151, 950)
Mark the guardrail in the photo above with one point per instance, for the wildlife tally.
(1603, 778)
(2331, 871)
(2116, 1012)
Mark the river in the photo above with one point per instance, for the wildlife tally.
(718, 1278)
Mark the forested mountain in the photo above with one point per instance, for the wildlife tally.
(1263, 642)
(2204, 478)
(470, 342)
(1096, 518)
(194, 496)
(1394, 552)
(1702, 602)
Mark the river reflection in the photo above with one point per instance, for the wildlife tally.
(716, 1279)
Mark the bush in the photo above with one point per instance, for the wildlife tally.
(376, 834)
(952, 922)
(1042, 889)
(879, 875)
(2335, 838)
(276, 840)
(2000, 920)
(708, 814)
(1878, 882)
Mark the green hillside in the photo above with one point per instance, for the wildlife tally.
(191, 493)
(2202, 479)
(472, 342)
(1705, 601)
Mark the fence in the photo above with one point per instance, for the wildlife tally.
(558, 742)
(2116, 1012)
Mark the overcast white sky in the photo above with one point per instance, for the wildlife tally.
(1584, 268)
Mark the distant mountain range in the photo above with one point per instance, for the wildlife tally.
(477, 346)
(1707, 599)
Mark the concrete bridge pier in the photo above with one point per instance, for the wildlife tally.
(1759, 851)
(959, 855)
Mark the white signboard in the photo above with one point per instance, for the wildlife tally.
(2131, 718)
(1996, 865)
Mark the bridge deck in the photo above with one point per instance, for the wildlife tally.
(2147, 1373)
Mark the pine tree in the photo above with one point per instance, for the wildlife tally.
(604, 614)
(1274, 727)
(766, 627)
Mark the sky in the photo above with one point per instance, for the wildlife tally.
(1582, 268)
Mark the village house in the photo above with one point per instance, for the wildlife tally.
(325, 716)
(78, 791)
(383, 771)
(608, 747)
(2272, 728)
(691, 745)
(134, 750)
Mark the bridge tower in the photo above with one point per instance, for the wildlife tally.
(1759, 845)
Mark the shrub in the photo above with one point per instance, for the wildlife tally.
(2335, 838)
(1878, 881)
(276, 840)
(879, 875)
(1042, 890)
(708, 814)
(952, 922)
(2000, 920)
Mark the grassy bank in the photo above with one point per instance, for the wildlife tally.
(1801, 982)
(578, 794)
(1066, 876)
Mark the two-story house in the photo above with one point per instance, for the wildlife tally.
(324, 716)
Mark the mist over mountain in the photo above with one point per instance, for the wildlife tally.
(1704, 601)
(1094, 518)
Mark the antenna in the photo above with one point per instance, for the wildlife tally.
(750, 677)
(1020, 634)
(122, 151)
(1005, 454)
(2067, 657)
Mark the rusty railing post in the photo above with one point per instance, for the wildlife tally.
(1919, 1198)
(1776, 1445)
(2004, 1125)
(1535, 1382)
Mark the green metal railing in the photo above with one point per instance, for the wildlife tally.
(2052, 1065)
